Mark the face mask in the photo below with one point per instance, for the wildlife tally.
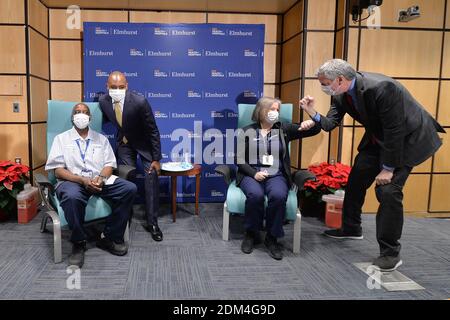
(81, 120)
(272, 116)
(117, 94)
(329, 91)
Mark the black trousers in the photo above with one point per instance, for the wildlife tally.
(128, 156)
(389, 219)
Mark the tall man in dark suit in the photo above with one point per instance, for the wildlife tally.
(137, 133)
(399, 135)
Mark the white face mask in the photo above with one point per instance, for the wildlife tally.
(328, 89)
(81, 120)
(117, 94)
(272, 116)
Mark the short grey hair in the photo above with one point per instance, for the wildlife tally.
(80, 104)
(263, 103)
(335, 68)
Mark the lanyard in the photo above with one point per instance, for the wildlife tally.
(83, 155)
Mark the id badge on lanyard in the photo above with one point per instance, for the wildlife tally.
(267, 160)
(84, 172)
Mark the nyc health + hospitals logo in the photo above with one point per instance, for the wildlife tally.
(194, 94)
(217, 74)
(136, 53)
(160, 32)
(100, 73)
(101, 31)
(160, 74)
(194, 53)
(250, 53)
(217, 32)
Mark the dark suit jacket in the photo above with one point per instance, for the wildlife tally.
(405, 132)
(245, 159)
(139, 126)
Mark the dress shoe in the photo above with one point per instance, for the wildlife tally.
(115, 248)
(341, 234)
(76, 258)
(250, 240)
(154, 231)
(275, 250)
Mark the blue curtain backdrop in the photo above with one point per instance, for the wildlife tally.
(188, 73)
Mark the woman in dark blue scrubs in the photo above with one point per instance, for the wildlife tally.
(263, 163)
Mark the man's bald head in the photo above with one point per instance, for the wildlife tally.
(117, 80)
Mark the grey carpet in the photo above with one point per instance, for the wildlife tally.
(194, 263)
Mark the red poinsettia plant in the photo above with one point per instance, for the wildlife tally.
(13, 177)
(329, 178)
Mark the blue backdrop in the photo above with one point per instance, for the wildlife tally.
(187, 72)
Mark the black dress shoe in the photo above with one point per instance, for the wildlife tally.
(275, 250)
(250, 240)
(154, 231)
(115, 248)
(341, 234)
(76, 258)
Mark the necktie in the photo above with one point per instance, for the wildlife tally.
(373, 140)
(351, 104)
(118, 112)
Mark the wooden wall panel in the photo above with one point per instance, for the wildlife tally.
(425, 92)
(416, 193)
(321, 14)
(353, 48)
(444, 104)
(341, 14)
(339, 44)
(14, 142)
(271, 90)
(291, 59)
(167, 17)
(66, 60)
(12, 51)
(439, 195)
(58, 19)
(322, 101)
(39, 144)
(442, 156)
(271, 63)
(447, 25)
(39, 94)
(13, 89)
(347, 138)
(38, 16)
(67, 91)
(407, 53)
(290, 93)
(446, 62)
(293, 21)
(272, 23)
(319, 48)
(314, 149)
(12, 11)
(431, 13)
(38, 55)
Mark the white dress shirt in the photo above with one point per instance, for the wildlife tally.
(69, 149)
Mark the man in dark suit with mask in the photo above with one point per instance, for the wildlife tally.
(400, 134)
(137, 133)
